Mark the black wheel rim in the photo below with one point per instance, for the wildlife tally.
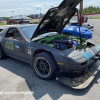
(42, 67)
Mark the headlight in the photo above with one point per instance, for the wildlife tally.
(82, 60)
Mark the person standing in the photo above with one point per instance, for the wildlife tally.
(86, 19)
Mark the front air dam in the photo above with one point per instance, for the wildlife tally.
(84, 80)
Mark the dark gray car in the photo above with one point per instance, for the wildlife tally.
(48, 51)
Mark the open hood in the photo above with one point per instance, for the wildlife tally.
(56, 18)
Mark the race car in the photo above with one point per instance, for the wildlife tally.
(74, 30)
(86, 25)
(45, 48)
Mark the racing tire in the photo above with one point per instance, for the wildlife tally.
(2, 54)
(44, 65)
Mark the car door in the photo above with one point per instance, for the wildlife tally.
(14, 46)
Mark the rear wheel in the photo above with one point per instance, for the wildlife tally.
(44, 65)
(2, 54)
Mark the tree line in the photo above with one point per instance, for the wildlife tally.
(91, 9)
(5, 18)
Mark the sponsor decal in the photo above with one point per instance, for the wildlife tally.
(9, 45)
(29, 51)
(16, 46)
(96, 48)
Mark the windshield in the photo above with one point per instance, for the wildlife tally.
(1, 30)
(67, 26)
(28, 31)
(73, 21)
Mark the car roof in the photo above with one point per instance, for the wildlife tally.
(2, 27)
(18, 26)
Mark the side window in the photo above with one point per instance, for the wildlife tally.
(13, 33)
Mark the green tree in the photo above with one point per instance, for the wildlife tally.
(91, 9)
(5, 18)
(31, 15)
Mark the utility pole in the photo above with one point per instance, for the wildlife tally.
(40, 12)
(12, 12)
(81, 12)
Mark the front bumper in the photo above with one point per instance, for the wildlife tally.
(74, 68)
(84, 80)
(87, 35)
(83, 67)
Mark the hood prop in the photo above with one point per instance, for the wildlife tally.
(79, 29)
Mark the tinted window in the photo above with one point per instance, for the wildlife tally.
(13, 33)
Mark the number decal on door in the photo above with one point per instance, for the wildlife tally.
(9, 45)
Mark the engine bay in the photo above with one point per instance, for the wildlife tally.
(63, 42)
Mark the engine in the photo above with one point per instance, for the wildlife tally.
(63, 42)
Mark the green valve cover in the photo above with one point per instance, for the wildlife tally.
(50, 45)
(50, 39)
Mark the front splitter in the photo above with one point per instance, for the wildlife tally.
(84, 80)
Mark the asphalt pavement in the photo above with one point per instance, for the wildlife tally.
(18, 78)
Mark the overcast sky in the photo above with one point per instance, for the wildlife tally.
(26, 7)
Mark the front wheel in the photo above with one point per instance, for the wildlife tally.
(44, 65)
